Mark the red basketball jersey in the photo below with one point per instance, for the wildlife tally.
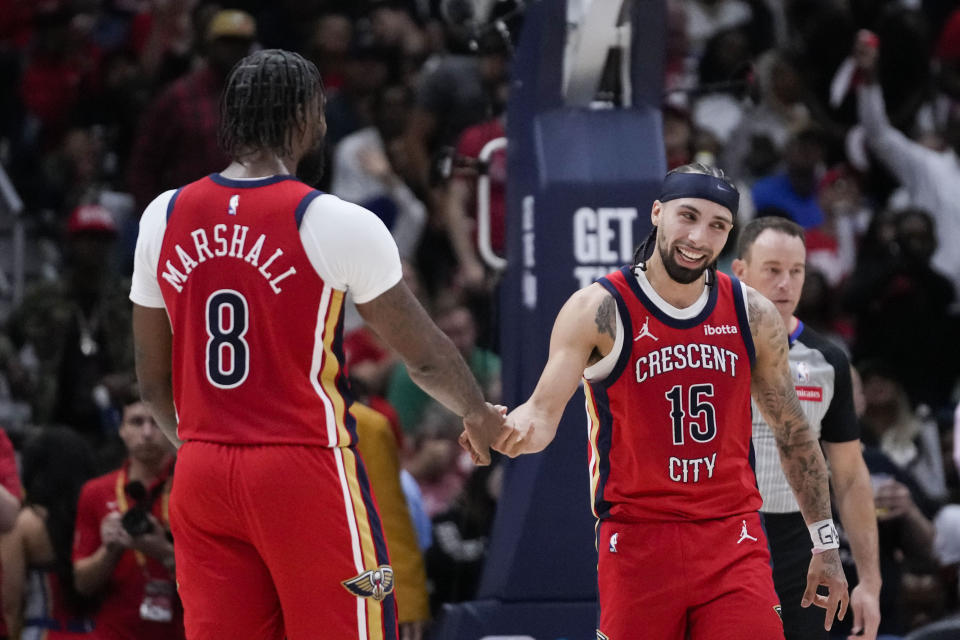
(670, 428)
(257, 333)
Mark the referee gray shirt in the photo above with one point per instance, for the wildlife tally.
(821, 374)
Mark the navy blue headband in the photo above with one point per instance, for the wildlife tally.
(699, 185)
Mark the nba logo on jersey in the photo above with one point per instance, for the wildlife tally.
(234, 203)
(803, 372)
(613, 542)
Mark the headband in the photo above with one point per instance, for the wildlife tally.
(699, 185)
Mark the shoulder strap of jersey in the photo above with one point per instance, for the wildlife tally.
(173, 200)
(610, 282)
(740, 303)
(304, 203)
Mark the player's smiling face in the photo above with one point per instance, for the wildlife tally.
(691, 233)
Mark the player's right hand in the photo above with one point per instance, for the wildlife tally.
(480, 430)
(825, 569)
(526, 430)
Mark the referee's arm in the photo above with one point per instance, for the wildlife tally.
(854, 498)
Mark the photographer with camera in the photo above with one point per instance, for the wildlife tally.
(122, 551)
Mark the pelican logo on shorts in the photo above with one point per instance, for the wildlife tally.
(779, 611)
(234, 204)
(601, 635)
(373, 583)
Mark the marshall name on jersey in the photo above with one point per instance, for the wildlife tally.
(223, 241)
(670, 425)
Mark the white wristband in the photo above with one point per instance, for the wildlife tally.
(824, 536)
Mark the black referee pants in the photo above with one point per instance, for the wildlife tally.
(790, 550)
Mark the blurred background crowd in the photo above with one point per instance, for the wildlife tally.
(107, 103)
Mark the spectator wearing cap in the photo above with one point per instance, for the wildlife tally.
(176, 142)
(77, 329)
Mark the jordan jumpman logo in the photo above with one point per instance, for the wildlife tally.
(645, 331)
(743, 533)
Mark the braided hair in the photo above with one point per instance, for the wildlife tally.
(264, 102)
(649, 244)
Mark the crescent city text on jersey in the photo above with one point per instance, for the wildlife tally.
(686, 356)
(226, 244)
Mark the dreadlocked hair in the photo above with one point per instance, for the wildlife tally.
(649, 244)
(264, 102)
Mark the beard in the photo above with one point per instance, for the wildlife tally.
(312, 165)
(676, 271)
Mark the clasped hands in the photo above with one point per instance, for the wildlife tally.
(494, 428)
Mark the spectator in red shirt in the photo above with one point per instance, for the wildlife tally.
(122, 550)
(177, 138)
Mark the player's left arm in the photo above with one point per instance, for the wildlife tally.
(152, 345)
(800, 455)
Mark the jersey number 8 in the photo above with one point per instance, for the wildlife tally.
(228, 354)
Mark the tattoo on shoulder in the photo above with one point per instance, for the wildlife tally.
(754, 311)
(606, 317)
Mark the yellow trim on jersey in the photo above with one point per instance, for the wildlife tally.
(368, 550)
(331, 367)
(594, 449)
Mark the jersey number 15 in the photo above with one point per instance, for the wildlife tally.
(703, 422)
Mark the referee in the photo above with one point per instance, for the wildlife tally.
(771, 259)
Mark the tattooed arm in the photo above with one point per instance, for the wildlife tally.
(803, 464)
(583, 333)
(773, 391)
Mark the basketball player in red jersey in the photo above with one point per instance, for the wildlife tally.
(239, 287)
(671, 352)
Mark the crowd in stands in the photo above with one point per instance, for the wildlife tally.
(842, 116)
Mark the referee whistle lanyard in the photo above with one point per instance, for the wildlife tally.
(124, 505)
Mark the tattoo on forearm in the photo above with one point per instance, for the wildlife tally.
(606, 321)
(774, 393)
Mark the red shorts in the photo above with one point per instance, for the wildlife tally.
(687, 580)
(265, 537)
